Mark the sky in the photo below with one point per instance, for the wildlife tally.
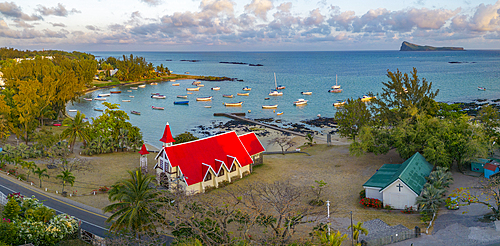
(247, 25)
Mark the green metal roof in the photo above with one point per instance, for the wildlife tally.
(382, 176)
(412, 172)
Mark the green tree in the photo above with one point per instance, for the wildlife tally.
(136, 204)
(41, 174)
(332, 239)
(440, 178)
(488, 194)
(29, 166)
(184, 137)
(358, 230)
(12, 209)
(77, 128)
(431, 199)
(352, 117)
(66, 177)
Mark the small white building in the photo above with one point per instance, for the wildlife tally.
(399, 185)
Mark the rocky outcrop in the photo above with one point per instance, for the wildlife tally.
(405, 46)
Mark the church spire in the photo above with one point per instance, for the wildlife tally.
(167, 138)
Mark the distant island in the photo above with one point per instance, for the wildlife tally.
(405, 46)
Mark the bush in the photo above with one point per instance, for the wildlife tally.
(362, 194)
(408, 210)
(371, 202)
(21, 176)
(12, 172)
(224, 183)
(104, 189)
(388, 207)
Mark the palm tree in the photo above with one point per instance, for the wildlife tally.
(66, 176)
(30, 166)
(358, 230)
(431, 199)
(41, 173)
(440, 178)
(136, 209)
(77, 128)
(332, 239)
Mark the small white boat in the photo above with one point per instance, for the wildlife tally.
(366, 98)
(158, 108)
(72, 110)
(131, 96)
(238, 104)
(300, 102)
(306, 93)
(176, 84)
(208, 106)
(87, 99)
(243, 94)
(200, 85)
(153, 83)
(279, 113)
(104, 95)
(125, 100)
(172, 80)
(196, 83)
(215, 88)
(269, 106)
(193, 89)
(481, 88)
(339, 103)
(276, 93)
(141, 86)
(182, 96)
(129, 90)
(158, 96)
(134, 88)
(100, 99)
(246, 88)
(336, 86)
(204, 99)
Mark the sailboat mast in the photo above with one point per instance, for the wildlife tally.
(335, 79)
(275, 84)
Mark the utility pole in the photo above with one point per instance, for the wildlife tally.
(328, 216)
(352, 232)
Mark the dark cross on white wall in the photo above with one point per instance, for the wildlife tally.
(399, 186)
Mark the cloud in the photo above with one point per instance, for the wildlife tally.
(57, 24)
(14, 11)
(152, 2)
(92, 28)
(259, 8)
(23, 24)
(315, 18)
(486, 18)
(60, 10)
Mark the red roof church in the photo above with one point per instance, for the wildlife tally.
(206, 162)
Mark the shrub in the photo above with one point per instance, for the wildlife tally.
(224, 183)
(408, 210)
(245, 173)
(12, 172)
(103, 189)
(21, 176)
(388, 207)
(362, 194)
(371, 202)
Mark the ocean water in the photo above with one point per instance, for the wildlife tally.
(359, 72)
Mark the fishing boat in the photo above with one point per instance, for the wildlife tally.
(215, 88)
(134, 88)
(208, 106)
(204, 99)
(153, 83)
(141, 86)
(182, 96)
(238, 104)
(481, 88)
(336, 86)
(246, 88)
(228, 96)
(72, 110)
(87, 99)
(306, 93)
(98, 109)
(125, 100)
(115, 92)
(181, 102)
(131, 96)
(339, 103)
(196, 83)
(104, 95)
(300, 102)
(189, 93)
(243, 94)
(193, 89)
(176, 84)
(135, 112)
(279, 113)
(158, 96)
(100, 99)
(158, 108)
(269, 106)
(366, 98)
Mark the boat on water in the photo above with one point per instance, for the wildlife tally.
(276, 93)
(176, 84)
(189, 93)
(280, 87)
(200, 85)
(135, 112)
(125, 100)
(100, 99)
(87, 99)
(153, 83)
(306, 93)
(228, 96)
(196, 83)
(181, 102)
(129, 90)
(159, 108)
(155, 93)
(279, 113)
(366, 98)
(481, 88)
(72, 110)
(98, 109)
(267, 98)
(269, 106)
(208, 106)
(172, 80)
(193, 89)
(134, 88)
(115, 92)
(238, 104)
(246, 88)
(215, 88)
(131, 96)
(243, 94)
(182, 96)
(204, 99)
(339, 103)
(158, 96)
(141, 86)
(104, 95)
(336, 87)
(300, 102)
(335, 91)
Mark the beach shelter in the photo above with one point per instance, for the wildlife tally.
(144, 159)
(399, 185)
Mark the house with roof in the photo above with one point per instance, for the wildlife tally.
(196, 165)
(491, 168)
(399, 185)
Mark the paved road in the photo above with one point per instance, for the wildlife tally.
(92, 220)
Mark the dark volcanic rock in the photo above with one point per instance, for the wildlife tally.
(320, 122)
(191, 60)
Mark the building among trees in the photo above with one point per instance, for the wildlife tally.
(197, 165)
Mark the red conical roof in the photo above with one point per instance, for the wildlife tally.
(143, 150)
(167, 135)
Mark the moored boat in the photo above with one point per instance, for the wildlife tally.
(306, 93)
(269, 106)
(193, 89)
(72, 110)
(134, 88)
(228, 96)
(158, 96)
(104, 95)
(366, 98)
(98, 109)
(131, 96)
(153, 83)
(115, 92)
(176, 84)
(87, 99)
(200, 85)
(207, 106)
(481, 88)
(336, 86)
(300, 102)
(335, 91)
(243, 94)
(172, 80)
(141, 86)
(125, 100)
(135, 112)
(159, 108)
(204, 99)
(267, 98)
(238, 104)
(189, 93)
(246, 88)
(100, 99)
(181, 102)
(182, 96)
(339, 103)
(215, 88)
(276, 93)
(280, 87)
(155, 93)
(279, 113)
(129, 90)
(196, 83)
